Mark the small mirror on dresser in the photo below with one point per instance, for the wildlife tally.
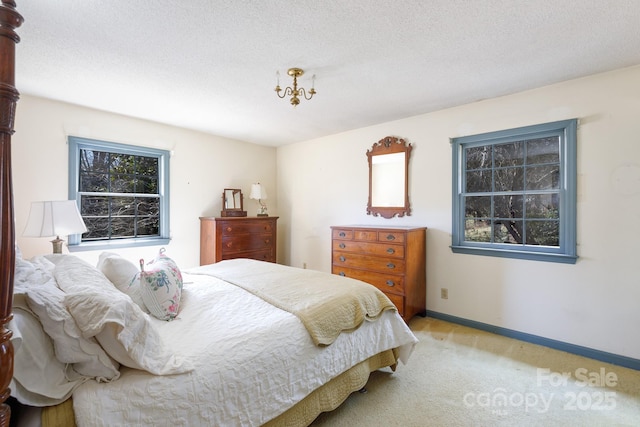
(389, 178)
(232, 203)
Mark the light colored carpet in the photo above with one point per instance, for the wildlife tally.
(459, 376)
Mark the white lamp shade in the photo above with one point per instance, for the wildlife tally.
(258, 192)
(54, 218)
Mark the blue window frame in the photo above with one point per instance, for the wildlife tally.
(514, 193)
(122, 192)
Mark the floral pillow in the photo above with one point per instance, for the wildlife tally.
(161, 286)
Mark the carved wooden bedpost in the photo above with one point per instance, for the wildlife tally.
(9, 21)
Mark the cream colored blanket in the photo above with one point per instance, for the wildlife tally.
(325, 303)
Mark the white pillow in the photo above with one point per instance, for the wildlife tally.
(125, 332)
(39, 378)
(124, 274)
(161, 285)
(120, 326)
(46, 301)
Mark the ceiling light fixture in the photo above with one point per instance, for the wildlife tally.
(295, 92)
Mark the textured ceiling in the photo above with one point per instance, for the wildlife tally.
(210, 65)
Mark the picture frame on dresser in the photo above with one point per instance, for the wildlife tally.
(391, 258)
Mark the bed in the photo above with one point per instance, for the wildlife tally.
(240, 342)
(252, 343)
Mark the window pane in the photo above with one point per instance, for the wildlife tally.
(543, 177)
(546, 233)
(147, 166)
(508, 206)
(122, 163)
(509, 232)
(94, 206)
(478, 207)
(477, 230)
(509, 179)
(478, 181)
(95, 161)
(94, 182)
(123, 207)
(478, 157)
(148, 206)
(98, 228)
(511, 154)
(148, 226)
(122, 227)
(122, 183)
(147, 185)
(543, 150)
(543, 206)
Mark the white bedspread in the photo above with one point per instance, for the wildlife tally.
(252, 362)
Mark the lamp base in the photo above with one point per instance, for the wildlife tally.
(57, 245)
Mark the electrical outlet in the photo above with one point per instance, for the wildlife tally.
(444, 293)
(304, 265)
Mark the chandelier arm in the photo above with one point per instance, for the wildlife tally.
(286, 92)
(304, 93)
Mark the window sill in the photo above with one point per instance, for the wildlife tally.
(118, 244)
(526, 255)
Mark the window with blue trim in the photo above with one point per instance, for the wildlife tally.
(514, 193)
(122, 192)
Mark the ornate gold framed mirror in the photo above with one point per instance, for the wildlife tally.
(389, 178)
(232, 203)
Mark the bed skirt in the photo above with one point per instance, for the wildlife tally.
(329, 396)
(325, 398)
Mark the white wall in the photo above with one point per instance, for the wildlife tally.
(593, 303)
(201, 167)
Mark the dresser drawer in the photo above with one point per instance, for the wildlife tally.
(246, 242)
(385, 282)
(398, 301)
(365, 235)
(363, 261)
(342, 234)
(380, 249)
(368, 235)
(262, 255)
(391, 237)
(238, 227)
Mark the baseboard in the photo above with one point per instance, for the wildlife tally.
(591, 353)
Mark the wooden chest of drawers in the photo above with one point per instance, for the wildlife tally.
(237, 237)
(393, 259)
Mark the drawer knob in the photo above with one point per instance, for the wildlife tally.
(343, 259)
(267, 241)
(391, 251)
(391, 237)
(342, 274)
(229, 244)
(390, 283)
(342, 246)
(391, 265)
(342, 234)
(229, 229)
